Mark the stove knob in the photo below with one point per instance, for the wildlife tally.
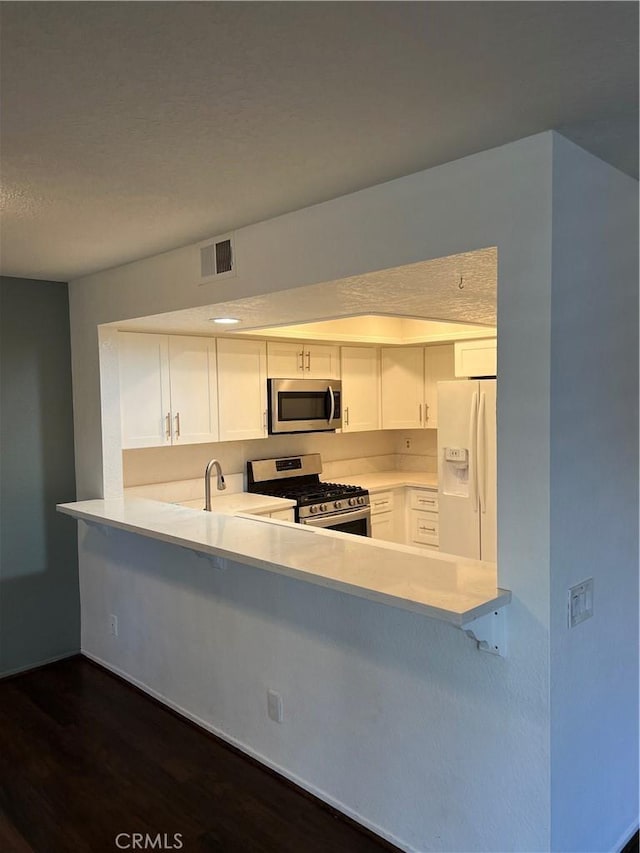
(313, 509)
(323, 507)
(353, 501)
(337, 504)
(361, 500)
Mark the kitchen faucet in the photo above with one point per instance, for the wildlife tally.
(212, 463)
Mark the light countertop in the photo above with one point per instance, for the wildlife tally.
(442, 586)
(383, 480)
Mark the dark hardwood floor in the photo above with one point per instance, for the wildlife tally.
(633, 845)
(85, 757)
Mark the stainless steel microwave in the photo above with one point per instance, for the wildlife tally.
(304, 405)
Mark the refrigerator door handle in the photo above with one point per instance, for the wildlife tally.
(473, 449)
(481, 455)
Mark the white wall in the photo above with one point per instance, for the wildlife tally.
(594, 501)
(397, 719)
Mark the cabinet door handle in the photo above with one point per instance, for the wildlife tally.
(346, 416)
(301, 356)
(420, 413)
(177, 424)
(309, 360)
(425, 501)
(426, 412)
(264, 421)
(168, 425)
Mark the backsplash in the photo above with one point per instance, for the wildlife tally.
(422, 455)
(342, 454)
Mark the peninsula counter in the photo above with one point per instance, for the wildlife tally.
(441, 586)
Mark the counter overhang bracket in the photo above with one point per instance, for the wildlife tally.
(489, 632)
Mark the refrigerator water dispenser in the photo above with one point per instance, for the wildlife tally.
(456, 471)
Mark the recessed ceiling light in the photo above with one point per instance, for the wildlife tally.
(224, 321)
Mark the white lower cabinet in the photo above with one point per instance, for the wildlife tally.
(423, 528)
(282, 514)
(408, 516)
(383, 527)
(423, 499)
(422, 518)
(242, 389)
(387, 516)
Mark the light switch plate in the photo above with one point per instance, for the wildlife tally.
(580, 602)
(274, 706)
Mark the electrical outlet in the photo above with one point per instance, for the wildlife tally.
(113, 625)
(407, 443)
(274, 706)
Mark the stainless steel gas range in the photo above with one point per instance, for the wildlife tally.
(329, 505)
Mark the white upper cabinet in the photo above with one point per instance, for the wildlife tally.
(476, 358)
(402, 388)
(180, 389)
(167, 390)
(242, 389)
(321, 362)
(438, 367)
(285, 360)
(409, 385)
(299, 360)
(360, 388)
(145, 401)
(194, 389)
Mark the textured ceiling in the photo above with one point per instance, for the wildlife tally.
(459, 288)
(132, 128)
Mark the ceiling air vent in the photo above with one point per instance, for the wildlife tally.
(217, 258)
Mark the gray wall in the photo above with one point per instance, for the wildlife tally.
(39, 599)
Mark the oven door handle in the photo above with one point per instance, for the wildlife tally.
(337, 518)
(332, 410)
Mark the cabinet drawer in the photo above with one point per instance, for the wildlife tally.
(423, 499)
(423, 527)
(382, 502)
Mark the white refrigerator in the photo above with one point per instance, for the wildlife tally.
(467, 462)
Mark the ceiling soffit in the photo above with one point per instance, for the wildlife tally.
(458, 288)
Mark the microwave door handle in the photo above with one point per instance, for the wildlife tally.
(333, 404)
